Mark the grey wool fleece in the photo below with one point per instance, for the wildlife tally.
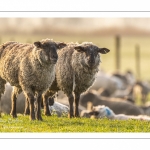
(76, 68)
(28, 67)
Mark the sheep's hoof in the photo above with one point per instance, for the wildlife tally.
(47, 113)
(27, 113)
(13, 115)
(77, 115)
(39, 118)
(70, 116)
(32, 117)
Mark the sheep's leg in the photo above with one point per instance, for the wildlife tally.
(42, 104)
(15, 92)
(2, 89)
(38, 102)
(45, 104)
(51, 101)
(77, 97)
(27, 110)
(13, 105)
(71, 100)
(143, 99)
(30, 97)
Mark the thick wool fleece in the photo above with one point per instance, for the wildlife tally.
(71, 72)
(21, 66)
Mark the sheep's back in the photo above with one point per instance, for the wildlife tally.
(11, 54)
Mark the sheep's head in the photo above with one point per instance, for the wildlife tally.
(91, 53)
(101, 111)
(47, 50)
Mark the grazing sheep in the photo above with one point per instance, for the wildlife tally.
(76, 68)
(118, 105)
(29, 68)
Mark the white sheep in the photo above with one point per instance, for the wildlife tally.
(58, 109)
(102, 111)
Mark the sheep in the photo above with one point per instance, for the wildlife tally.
(58, 109)
(6, 100)
(141, 89)
(111, 83)
(76, 69)
(29, 68)
(102, 111)
(118, 105)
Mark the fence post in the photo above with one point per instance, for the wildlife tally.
(137, 59)
(117, 53)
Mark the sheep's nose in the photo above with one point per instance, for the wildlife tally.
(55, 56)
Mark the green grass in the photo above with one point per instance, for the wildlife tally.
(54, 124)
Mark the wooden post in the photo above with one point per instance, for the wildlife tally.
(118, 53)
(137, 59)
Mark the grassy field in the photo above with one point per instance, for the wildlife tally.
(127, 46)
(54, 124)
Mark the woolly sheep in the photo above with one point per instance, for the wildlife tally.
(111, 83)
(118, 105)
(28, 67)
(102, 111)
(58, 109)
(76, 68)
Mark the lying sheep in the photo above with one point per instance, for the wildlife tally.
(111, 83)
(28, 67)
(58, 109)
(102, 111)
(76, 68)
(118, 105)
(141, 89)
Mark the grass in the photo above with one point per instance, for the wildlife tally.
(54, 124)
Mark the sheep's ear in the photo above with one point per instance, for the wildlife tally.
(38, 44)
(103, 50)
(61, 45)
(80, 48)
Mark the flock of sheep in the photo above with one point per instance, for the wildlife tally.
(45, 67)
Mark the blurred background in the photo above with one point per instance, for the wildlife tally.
(133, 34)
(127, 38)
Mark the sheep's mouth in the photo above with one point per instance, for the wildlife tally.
(91, 65)
(53, 61)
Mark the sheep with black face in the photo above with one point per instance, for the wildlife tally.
(76, 68)
(29, 68)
